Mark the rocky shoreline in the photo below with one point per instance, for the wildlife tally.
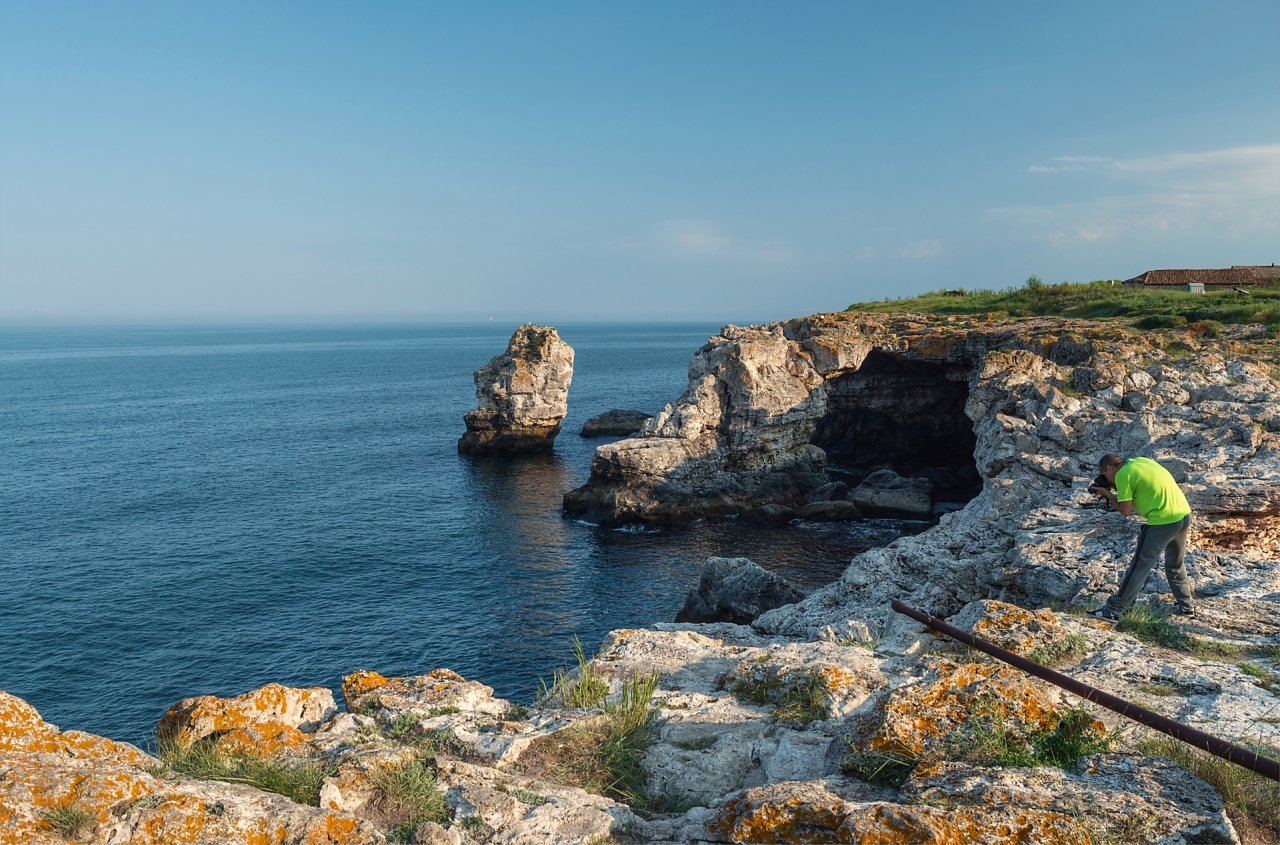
(821, 718)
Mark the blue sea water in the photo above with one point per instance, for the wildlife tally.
(195, 511)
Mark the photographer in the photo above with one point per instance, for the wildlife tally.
(1142, 485)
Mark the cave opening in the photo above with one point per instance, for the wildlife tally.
(907, 416)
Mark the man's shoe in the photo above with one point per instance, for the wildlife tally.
(1103, 613)
(1185, 611)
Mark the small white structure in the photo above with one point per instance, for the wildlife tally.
(1195, 287)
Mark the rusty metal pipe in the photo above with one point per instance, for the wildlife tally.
(1237, 754)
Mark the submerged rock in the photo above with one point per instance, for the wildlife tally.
(523, 395)
(615, 423)
(736, 590)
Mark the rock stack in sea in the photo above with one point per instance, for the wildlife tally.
(523, 395)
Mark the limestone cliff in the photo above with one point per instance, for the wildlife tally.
(523, 395)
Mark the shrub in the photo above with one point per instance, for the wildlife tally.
(440, 741)
(298, 780)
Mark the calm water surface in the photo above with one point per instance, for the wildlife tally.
(202, 511)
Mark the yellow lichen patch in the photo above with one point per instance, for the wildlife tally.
(917, 716)
(359, 684)
(195, 718)
(268, 740)
(20, 723)
(889, 824)
(839, 681)
(1016, 629)
(790, 819)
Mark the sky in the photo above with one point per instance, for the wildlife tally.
(737, 161)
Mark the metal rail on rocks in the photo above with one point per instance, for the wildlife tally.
(1237, 754)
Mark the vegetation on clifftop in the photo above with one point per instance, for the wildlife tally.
(1097, 300)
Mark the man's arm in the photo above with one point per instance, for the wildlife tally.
(1125, 508)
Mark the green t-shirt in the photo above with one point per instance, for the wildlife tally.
(1154, 493)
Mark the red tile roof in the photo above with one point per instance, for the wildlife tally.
(1234, 277)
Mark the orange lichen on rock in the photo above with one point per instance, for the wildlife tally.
(916, 717)
(45, 770)
(192, 719)
(436, 690)
(268, 740)
(359, 684)
(795, 813)
(1011, 627)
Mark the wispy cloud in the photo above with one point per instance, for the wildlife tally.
(922, 249)
(703, 238)
(1226, 193)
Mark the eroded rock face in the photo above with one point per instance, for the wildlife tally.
(735, 590)
(743, 433)
(615, 423)
(884, 492)
(523, 395)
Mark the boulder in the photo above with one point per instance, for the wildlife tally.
(770, 516)
(884, 492)
(736, 590)
(273, 714)
(834, 491)
(426, 695)
(615, 423)
(523, 395)
(829, 512)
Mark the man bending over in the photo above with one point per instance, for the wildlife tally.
(1142, 485)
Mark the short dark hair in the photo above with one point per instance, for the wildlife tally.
(1109, 461)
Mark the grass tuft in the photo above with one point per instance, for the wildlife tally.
(1149, 622)
(603, 755)
(586, 689)
(1061, 652)
(405, 724)
(298, 780)
(409, 791)
(989, 739)
(440, 741)
(800, 702)
(1265, 679)
(1158, 689)
(879, 768)
(1248, 794)
(70, 819)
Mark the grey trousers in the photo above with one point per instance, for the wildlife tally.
(1152, 540)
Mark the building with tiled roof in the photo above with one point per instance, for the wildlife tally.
(1239, 276)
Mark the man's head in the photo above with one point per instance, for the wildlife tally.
(1109, 466)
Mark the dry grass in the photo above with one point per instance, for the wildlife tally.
(1248, 796)
(407, 796)
(798, 701)
(602, 755)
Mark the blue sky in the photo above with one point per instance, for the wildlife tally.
(545, 161)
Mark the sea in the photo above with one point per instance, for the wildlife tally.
(202, 510)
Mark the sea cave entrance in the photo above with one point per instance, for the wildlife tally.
(906, 415)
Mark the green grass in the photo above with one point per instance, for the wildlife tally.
(1149, 622)
(1093, 300)
(702, 743)
(440, 741)
(988, 739)
(587, 688)
(1056, 653)
(404, 725)
(603, 755)
(1161, 690)
(70, 819)
(408, 790)
(515, 713)
(524, 796)
(797, 701)
(1250, 795)
(1265, 679)
(876, 767)
(298, 779)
